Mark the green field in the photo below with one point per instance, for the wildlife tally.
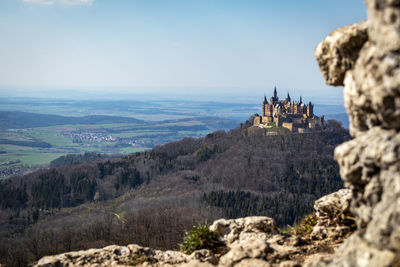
(34, 140)
(77, 139)
(62, 145)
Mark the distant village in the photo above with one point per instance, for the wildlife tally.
(296, 116)
(101, 137)
(78, 137)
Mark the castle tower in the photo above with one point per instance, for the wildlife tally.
(310, 110)
(264, 106)
(288, 97)
(275, 98)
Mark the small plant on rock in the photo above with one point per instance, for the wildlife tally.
(305, 226)
(200, 237)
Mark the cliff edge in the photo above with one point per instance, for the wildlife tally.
(250, 241)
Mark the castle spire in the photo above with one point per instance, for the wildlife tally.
(288, 97)
(275, 93)
(301, 101)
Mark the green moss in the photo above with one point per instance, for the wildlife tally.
(200, 237)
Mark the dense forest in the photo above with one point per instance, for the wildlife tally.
(77, 158)
(151, 198)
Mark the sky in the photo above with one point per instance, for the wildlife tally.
(242, 47)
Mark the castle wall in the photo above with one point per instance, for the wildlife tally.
(302, 130)
(257, 120)
(288, 125)
(310, 110)
(266, 119)
(267, 110)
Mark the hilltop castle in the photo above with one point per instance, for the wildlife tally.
(293, 115)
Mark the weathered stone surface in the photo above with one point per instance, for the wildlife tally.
(128, 256)
(256, 227)
(357, 252)
(253, 263)
(250, 241)
(249, 249)
(339, 51)
(370, 163)
(196, 263)
(111, 255)
(334, 218)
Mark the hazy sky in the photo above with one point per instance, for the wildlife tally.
(171, 44)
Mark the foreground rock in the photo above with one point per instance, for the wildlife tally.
(334, 217)
(370, 163)
(131, 255)
(250, 241)
(339, 51)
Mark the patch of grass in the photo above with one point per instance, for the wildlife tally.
(130, 150)
(39, 159)
(200, 237)
(305, 226)
(14, 136)
(51, 137)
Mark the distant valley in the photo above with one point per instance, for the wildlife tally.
(28, 139)
(34, 132)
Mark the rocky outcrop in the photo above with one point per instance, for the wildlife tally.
(131, 255)
(339, 51)
(334, 219)
(370, 163)
(250, 241)
(249, 228)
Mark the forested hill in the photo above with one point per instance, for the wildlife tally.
(243, 172)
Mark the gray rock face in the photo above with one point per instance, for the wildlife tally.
(250, 241)
(238, 230)
(334, 218)
(339, 51)
(131, 255)
(370, 163)
(245, 238)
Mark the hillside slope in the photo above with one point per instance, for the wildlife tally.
(169, 189)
